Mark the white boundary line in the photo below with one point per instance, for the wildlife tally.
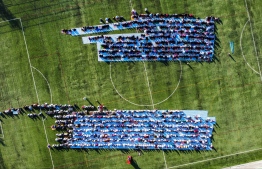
(164, 159)
(246, 165)
(251, 28)
(2, 130)
(43, 120)
(10, 20)
(241, 48)
(216, 158)
(46, 82)
(130, 2)
(28, 56)
(148, 86)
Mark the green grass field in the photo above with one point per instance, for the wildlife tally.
(228, 88)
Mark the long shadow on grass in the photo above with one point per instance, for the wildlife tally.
(232, 58)
(2, 142)
(47, 6)
(29, 22)
(214, 149)
(134, 164)
(2, 115)
(190, 66)
(90, 102)
(216, 59)
(54, 18)
(6, 14)
(11, 3)
(165, 63)
(2, 164)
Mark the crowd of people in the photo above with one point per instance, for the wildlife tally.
(36, 110)
(164, 37)
(167, 37)
(96, 29)
(95, 128)
(156, 45)
(142, 129)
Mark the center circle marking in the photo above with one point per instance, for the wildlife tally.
(146, 104)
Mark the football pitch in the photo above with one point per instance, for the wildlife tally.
(39, 64)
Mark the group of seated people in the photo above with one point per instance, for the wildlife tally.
(144, 129)
(68, 31)
(163, 45)
(96, 29)
(12, 111)
(171, 23)
(88, 107)
(35, 115)
(46, 106)
(57, 110)
(26, 108)
(64, 123)
(64, 119)
(163, 39)
(100, 38)
(195, 38)
(145, 21)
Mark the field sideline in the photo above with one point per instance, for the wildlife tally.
(39, 64)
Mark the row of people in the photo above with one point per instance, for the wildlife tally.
(168, 38)
(125, 130)
(139, 146)
(164, 23)
(144, 20)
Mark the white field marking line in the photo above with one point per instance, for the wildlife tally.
(10, 20)
(241, 48)
(251, 28)
(164, 159)
(150, 92)
(245, 165)
(48, 143)
(28, 56)
(243, 152)
(2, 130)
(46, 82)
(149, 86)
(130, 2)
(181, 70)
